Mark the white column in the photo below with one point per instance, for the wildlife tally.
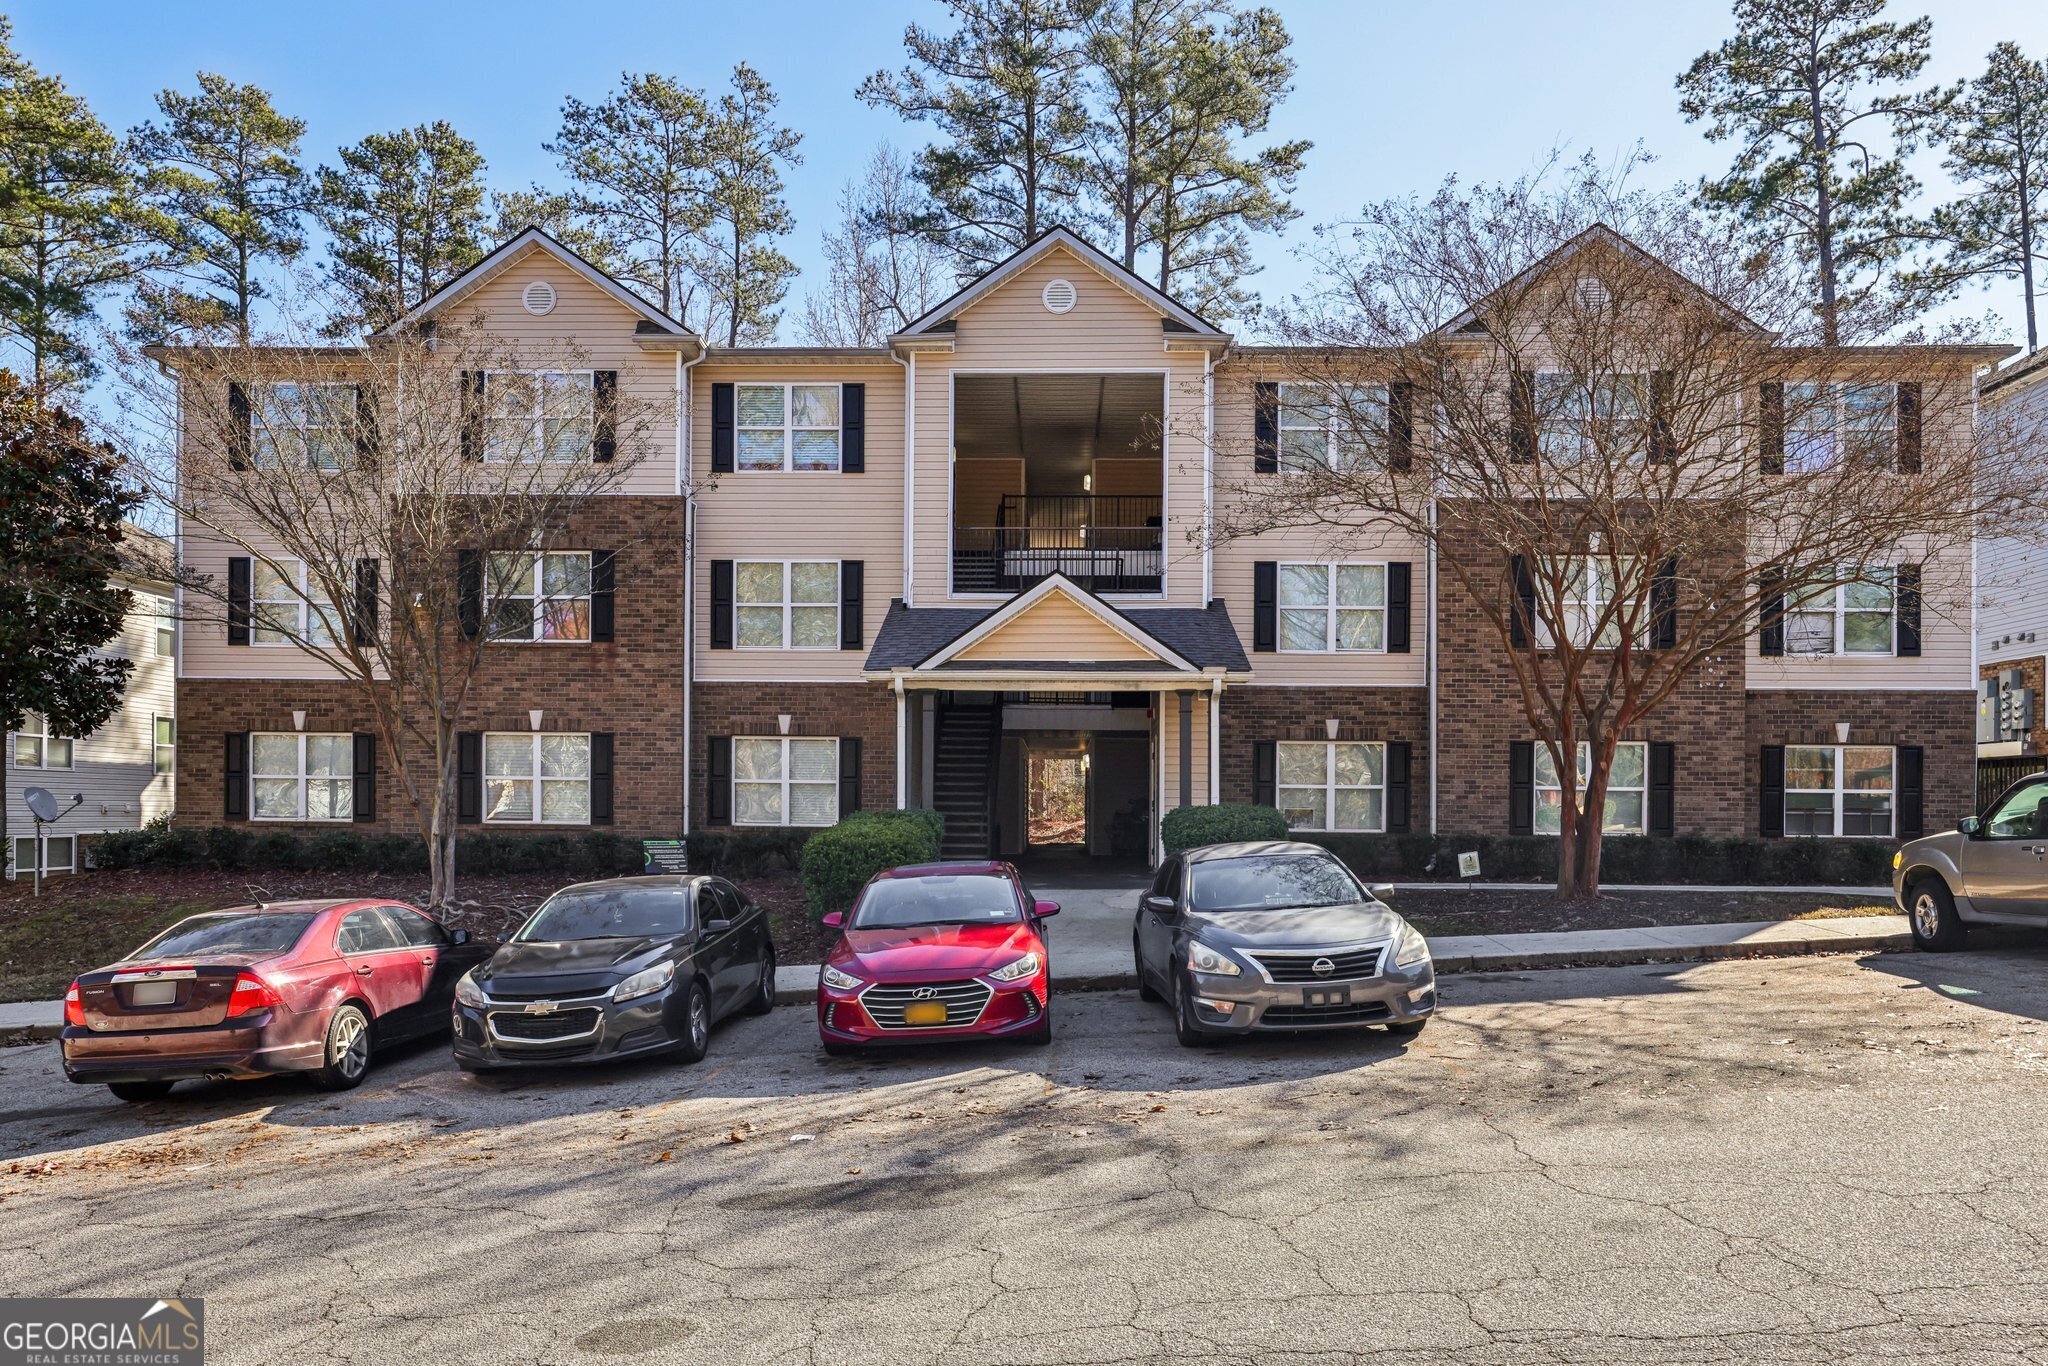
(1215, 734)
(902, 746)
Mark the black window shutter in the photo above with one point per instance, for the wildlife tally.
(718, 780)
(1265, 764)
(853, 428)
(849, 774)
(238, 600)
(1771, 428)
(1770, 811)
(366, 778)
(469, 777)
(721, 428)
(1265, 427)
(1521, 787)
(1909, 427)
(1522, 618)
(1771, 614)
(241, 432)
(852, 611)
(1663, 447)
(234, 802)
(1266, 606)
(601, 778)
(366, 602)
(603, 580)
(1522, 418)
(1663, 791)
(1906, 611)
(366, 431)
(721, 604)
(469, 585)
(472, 414)
(1401, 427)
(604, 396)
(1907, 777)
(1400, 577)
(1397, 787)
(1664, 606)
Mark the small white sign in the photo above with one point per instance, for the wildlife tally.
(1468, 864)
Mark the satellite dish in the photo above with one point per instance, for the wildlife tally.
(41, 804)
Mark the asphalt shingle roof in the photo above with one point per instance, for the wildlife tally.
(1201, 635)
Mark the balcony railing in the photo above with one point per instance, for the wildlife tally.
(1110, 544)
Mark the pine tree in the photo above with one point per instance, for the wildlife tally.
(554, 213)
(743, 274)
(405, 211)
(226, 195)
(1806, 89)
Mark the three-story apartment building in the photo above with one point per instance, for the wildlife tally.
(976, 563)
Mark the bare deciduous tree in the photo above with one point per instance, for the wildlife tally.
(883, 269)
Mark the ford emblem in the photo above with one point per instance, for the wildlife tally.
(1322, 967)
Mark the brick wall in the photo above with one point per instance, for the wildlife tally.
(865, 710)
(1252, 713)
(1943, 724)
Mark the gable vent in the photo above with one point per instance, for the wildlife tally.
(539, 298)
(1592, 294)
(1059, 296)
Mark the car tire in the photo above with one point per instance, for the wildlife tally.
(1146, 991)
(136, 1092)
(696, 1040)
(346, 1053)
(1408, 1029)
(763, 999)
(1931, 911)
(1041, 1036)
(834, 1049)
(1190, 1034)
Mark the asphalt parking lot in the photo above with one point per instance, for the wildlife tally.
(1825, 1159)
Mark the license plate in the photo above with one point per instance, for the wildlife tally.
(152, 993)
(1333, 996)
(925, 1013)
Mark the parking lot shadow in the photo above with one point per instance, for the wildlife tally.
(2001, 970)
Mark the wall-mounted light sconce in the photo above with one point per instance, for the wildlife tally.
(1087, 483)
(298, 720)
(1842, 731)
(533, 717)
(1330, 728)
(782, 722)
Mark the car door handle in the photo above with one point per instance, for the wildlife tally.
(363, 971)
(427, 958)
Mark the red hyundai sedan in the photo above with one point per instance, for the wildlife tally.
(937, 951)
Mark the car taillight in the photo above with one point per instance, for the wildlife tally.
(74, 1008)
(252, 993)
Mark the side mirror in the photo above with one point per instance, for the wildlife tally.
(832, 920)
(1042, 909)
(1381, 891)
(717, 926)
(1970, 825)
(1162, 904)
(458, 937)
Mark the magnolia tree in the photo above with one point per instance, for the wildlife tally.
(1598, 413)
(392, 504)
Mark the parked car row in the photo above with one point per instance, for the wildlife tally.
(1238, 938)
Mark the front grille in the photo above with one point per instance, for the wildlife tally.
(964, 1002)
(1346, 965)
(560, 1024)
(1300, 1017)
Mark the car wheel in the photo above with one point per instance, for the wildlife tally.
(347, 1052)
(135, 1092)
(763, 999)
(1146, 991)
(1932, 911)
(1408, 1028)
(696, 1040)
(1190, 1034)
(1041, 1036)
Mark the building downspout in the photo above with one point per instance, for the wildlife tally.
(1429, 662)
(909, 363)
(1209, 491)
(688, 493)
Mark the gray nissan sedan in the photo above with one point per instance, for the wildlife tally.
(1277, 935)
(1989, 870)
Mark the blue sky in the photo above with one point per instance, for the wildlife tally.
(1395, 95)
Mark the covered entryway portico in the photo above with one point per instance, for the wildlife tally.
(1000, 710)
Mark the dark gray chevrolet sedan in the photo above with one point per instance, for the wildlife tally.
(1276, 935)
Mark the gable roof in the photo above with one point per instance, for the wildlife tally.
(651, 318)
(1183, 639)
(1595, 237)
(1177, 317)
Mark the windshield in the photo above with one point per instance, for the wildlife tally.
(945, 899)
(1271, 882)
(611, 913)
(229, 932)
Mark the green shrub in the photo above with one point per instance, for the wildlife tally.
(334, 851)
(745, 853)
(1624, 859)
(837, 862)
(1188, 827)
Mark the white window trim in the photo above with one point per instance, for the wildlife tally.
(1331, 787)
(1840, 792)
(41, 844)
(786, 604)
(789, 426)
(261, 428)
(43, 735)
(1591, 607)
(1539, 787)
(164, 612)
(536, 420)
(533, 777)
(537, 598)
(302, 778)
(157, 747)
(301, 601)
(1838, 408)
(785, 782)
(1561, 424)
(1840, 611)
(1334, 428)
(1330, 607)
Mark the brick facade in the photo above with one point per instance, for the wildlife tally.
(1252, 713)
(1943, 724)
(863, 710)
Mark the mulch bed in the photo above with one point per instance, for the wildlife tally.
(1486, 910)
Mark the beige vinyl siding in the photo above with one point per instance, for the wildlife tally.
(1945, 661)
(206, 652)
(800, 515)
(1056, 628)
(2012, 571)
(1169, 748)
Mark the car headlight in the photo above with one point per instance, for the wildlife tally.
(1412, 947)
(837, 980)
(468, 992)
(1898, 859)
(1202, 958)
(645, 982)
(1023, 967)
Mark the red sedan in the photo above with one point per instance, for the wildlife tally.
(937, 951)
(297, 986)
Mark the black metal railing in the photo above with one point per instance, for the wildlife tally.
(1108, 544)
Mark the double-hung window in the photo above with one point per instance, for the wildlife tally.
(1589, 591)
(165, 614)
(1581, 419)
(1333, 607)
(1838, 790)
(1849, 618)
(785, 781)
(1628, 787)
(60, 855)
(295, 777)
(165, 744)
(303, 426)
(786, 604)
(539, 415)
(536, 779)
(1335, 785)
(1827, 424)
(787, 426)
(286, 605)
(37, 745)
(542, 595)
(1325, 426)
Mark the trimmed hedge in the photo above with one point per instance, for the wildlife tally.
(1624, 859)
(838, 861)
(598, 853)
(745, 852)
(1186, 827)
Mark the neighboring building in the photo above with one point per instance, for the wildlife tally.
(968, 570)
(2012, 594)
(127, 769)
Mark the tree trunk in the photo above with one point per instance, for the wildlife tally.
(1579, 839)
